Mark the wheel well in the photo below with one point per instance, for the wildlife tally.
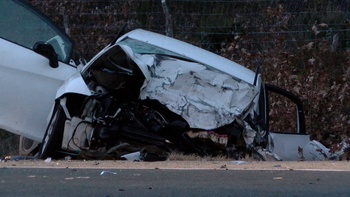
(74, 102)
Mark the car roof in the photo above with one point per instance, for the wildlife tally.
(193, 53)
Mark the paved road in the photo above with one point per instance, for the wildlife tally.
(157, 182)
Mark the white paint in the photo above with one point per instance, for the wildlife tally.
(296, 147)
(28, 88)
(191, 52)
(204, 97)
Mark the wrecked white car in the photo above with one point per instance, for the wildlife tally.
(144, 93)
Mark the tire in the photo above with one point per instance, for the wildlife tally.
(52, 140)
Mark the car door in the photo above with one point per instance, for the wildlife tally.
(288, 108)
(28, 83)
(285, 121)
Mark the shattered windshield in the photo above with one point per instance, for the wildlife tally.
(145, 48)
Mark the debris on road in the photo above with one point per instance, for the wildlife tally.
(107, 172)
(238, 162)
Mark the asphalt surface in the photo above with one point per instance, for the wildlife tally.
(171, 182)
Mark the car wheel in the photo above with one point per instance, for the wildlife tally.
(52, 140)
(27, 147)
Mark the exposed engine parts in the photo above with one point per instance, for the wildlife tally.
(110, 129)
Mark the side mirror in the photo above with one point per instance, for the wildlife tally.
(47, 51)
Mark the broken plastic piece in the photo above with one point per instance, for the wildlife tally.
(260, 153)
(107, 172)
(135, 156)
(339, 155)
(238, 162)
(48, 160)
(315, 151)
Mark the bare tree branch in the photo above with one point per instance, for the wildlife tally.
(168, 21)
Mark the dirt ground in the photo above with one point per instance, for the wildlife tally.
(178, 161)
(186, 165)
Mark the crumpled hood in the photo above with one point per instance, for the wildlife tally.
(204, 97)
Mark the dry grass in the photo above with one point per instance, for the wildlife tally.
(176, 156)
(8, 143)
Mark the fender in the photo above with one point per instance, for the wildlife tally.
(74, 84)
